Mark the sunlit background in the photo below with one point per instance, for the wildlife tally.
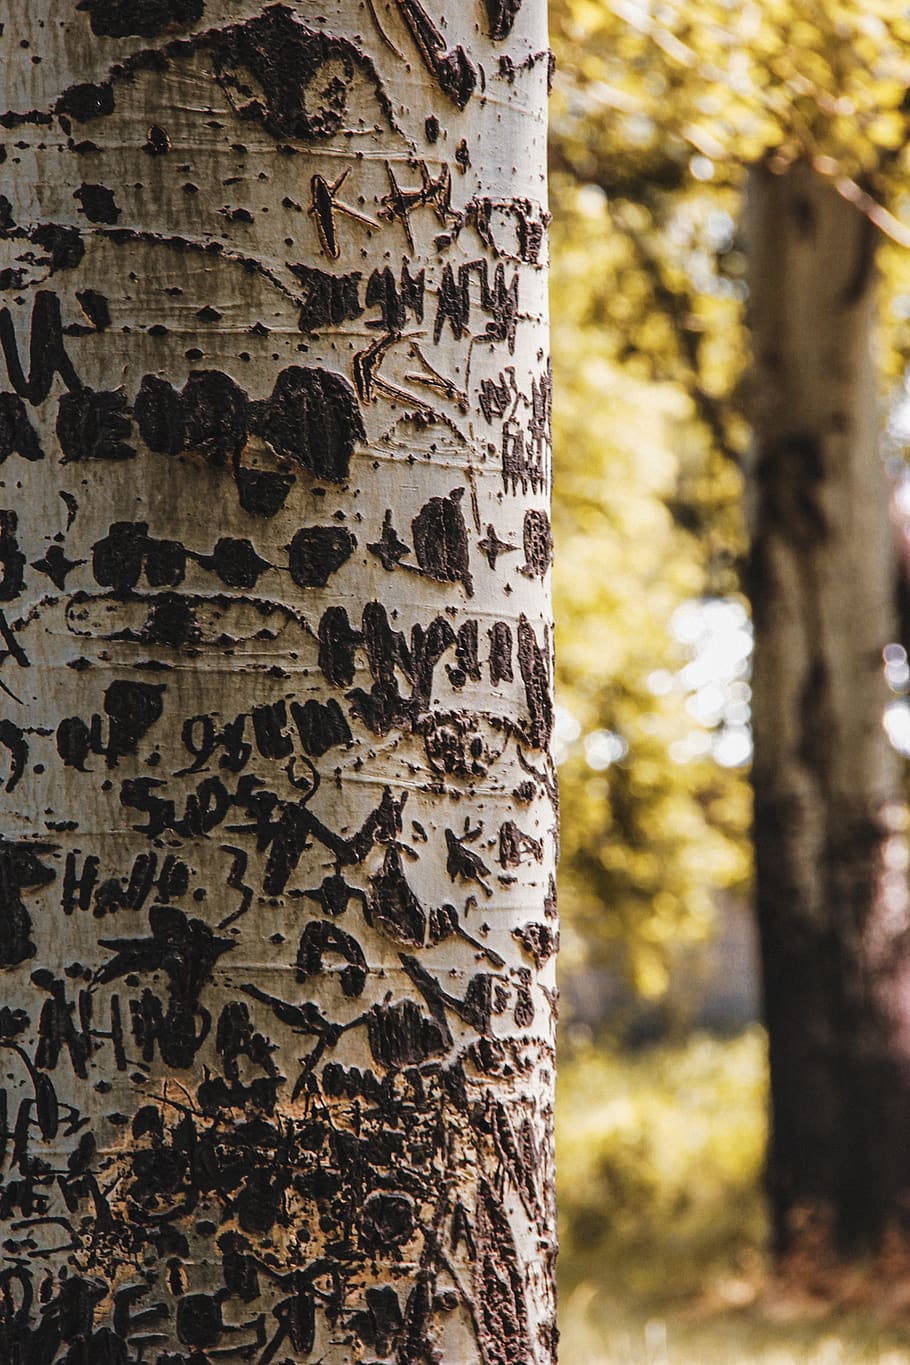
(657, 110)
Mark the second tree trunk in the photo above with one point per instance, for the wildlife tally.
(830, 851)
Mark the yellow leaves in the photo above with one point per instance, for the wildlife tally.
(867, 50)
(887, 93)
(888, 130)
(762, 136)
(651, 974)
(828, 79)
(659, 1138)
(636, 847)
(587, 16)
(648, 294)
(804, 39)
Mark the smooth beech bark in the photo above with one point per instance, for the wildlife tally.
(277, 910)
(831, 854)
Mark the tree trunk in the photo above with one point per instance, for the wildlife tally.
(829, 815)
(277, 915)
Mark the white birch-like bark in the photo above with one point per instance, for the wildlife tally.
(277, 911)
(830, 846)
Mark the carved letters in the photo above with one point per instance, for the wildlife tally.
(277, 813)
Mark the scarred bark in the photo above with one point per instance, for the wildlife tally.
(830, 850)
(277, 912)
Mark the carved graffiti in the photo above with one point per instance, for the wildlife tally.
(277, 810)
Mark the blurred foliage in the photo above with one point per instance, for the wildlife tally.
(645, 85)
(645, 519)
(646, 840)
(658, 109)
(659, 1157)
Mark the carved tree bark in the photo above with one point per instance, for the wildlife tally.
(830, 851)
(277, 912)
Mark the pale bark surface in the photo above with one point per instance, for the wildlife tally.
(277, 911)
(831, 854)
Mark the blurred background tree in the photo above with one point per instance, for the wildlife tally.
(665, 118)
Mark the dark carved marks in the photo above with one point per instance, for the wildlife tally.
(484, 997)
(500, 634)
(21, 869)
(17, 435)
(515, 846)
(118, 559)
(293, 80)
(326, 207)
(311, 419)
(499, 301)
(401, 1035)
(210, 415)
(140, 18)
(95, 307)
(86, 102)
(455, 745)
(337, 643)
(290, 833)
(265, 1136)
(538, 543)
(387, 1220)
(462, 863)
(159, 412)
(535, 675)
(94, 426)
(84, 888)
(390, 654)
(64, 246)
(316, 552)
(467, 661)
(441, 540)
(497, 396)
(235, 562)
(98, 203)
(186, 951)
(157, 143)
(390, 549)
(393, 905)
(335, 895)
(12, 560)
(321, 938)
(330, 300)
(501, 15)
(131, 707)
(525, 450)
(13, 740)
(493, 547)
(395, 299)
(386, 650)
(511, 229)
(453, 69)
(321, 725)
(499, 1287)
(434, 192)
(47, 356)
(262, 492)
(539, 941)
